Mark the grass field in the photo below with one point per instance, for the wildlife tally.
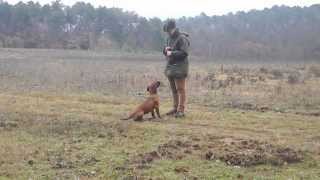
(60, 111)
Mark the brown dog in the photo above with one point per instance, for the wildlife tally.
(150, 105)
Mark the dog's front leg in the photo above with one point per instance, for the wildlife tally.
(153, 115)
(158, 112)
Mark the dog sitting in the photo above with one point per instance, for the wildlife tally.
(150, 105)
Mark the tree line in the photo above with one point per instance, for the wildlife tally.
(278, 32)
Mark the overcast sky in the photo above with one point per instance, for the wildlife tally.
(178, 8)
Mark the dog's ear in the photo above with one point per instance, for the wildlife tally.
(158, 83)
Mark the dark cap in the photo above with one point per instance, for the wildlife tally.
(169, 25)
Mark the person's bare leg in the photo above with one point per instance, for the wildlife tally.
(181, 89)
(174, 97)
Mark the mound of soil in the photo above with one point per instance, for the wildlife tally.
(234, 152)
(239, 152)
(171, 150)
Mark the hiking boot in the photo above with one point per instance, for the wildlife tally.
(179, 114)
(172, 112)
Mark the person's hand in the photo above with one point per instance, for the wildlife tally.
(169, 53)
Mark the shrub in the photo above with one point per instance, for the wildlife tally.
(277, 74)
(263, 70)
(294, 78)
(315, 71)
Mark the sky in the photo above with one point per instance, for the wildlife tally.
(177, 8)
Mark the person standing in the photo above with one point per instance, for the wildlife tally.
(176, 52)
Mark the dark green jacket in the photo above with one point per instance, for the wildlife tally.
(178, 65)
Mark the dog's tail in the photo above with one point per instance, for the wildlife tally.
(124, 119)
(128, 118)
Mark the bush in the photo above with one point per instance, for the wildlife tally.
(277, 74)
(263, 70)
(315, 71)
(294, 78)
(14, 42)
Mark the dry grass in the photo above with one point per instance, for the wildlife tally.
(51, 136)
(60, 111)
(278, 87)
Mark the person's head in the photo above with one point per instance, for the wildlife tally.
(170, 27)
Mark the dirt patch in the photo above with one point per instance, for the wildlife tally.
(59, 162)
(316, 114)
(174, 149)
(56, 126)
(232, 151)
(181, 169)
(8, 125)
(239, 152)
(237, 104)
(7, 122)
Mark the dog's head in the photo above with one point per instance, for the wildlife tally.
(152, 88)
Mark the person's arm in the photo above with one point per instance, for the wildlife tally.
(182, 51)
(164, 51)
(166, 48)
